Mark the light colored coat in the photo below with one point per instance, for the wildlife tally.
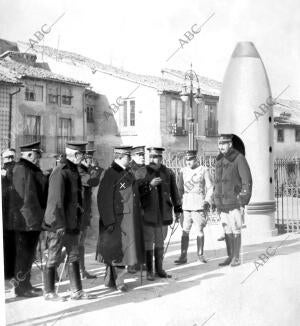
(195, 187)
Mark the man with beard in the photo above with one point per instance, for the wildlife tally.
(232, 191)
(8, 160)
(119, 209)
(157, 205)
(27, 207)
(62, 222)
(195, 187)
(90, 176)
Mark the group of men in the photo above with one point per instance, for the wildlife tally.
(136, 204)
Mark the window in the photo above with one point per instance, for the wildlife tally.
(125, 114)
(66, 95)
(297, 134)
(280, 135)
(53, 94)
(32, 128)
(211, 123)
(177, 113)
(64, 134)
(132, 113)
(34, 93)
(90, 114)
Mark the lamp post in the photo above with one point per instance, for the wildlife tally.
(188, 95)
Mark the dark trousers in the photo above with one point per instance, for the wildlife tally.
(9, 247)
(26, 243)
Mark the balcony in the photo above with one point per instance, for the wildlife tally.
(176, 130)
(211, 128)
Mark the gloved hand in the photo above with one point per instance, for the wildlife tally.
(177, 217)
(110, 228)
(156, 181)
(206, 206)
(60, 232)
(3, 172)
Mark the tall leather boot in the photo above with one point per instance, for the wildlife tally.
(149, 265)
(200, 247)
(184, 248)
(75, 283)
(84, 273)
(229, 247)
(110, 277)
(158, 253)
(236, 250)
(49, 285)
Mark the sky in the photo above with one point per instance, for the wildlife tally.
(140, 36)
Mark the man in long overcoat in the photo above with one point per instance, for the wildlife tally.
(9, 250)
(27, 206)
(232, 191)
(158, 204)
(90, 176)
(62, 221)
(119, 242)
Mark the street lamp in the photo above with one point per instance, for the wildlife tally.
(188, 95)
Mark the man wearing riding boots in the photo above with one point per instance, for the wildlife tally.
(232, 191)
(120, 241)
(90, 176)
(138, 169)
(62, 221)
(196, 188)
(27, 206)
(157, 206)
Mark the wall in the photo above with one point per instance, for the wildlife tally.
(289, 147)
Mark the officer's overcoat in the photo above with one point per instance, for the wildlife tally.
(64, 205)
(119, 206)
(233, 181)
(28, 197)
(158, 203)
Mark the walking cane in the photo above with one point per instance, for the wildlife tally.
(61, 273)
(141, 269)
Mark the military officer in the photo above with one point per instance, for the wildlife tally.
(27, 206)
(157, 206)
(8, 160)
(195, 188)
(62, 222)
(90, 176)
(232, 191)
(119, 242)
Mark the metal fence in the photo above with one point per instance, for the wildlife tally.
(287, 188)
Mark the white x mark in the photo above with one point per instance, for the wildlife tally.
(122, 186)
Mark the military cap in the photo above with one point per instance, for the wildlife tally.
(77, 145)
(31, 147)
(138, 150)
(126, 150)
(190, 154)
(8, 152)
(90, 152)
(155, 150)
(225, 138)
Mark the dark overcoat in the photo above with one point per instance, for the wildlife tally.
(233, 181)
(64, 205)
(28, 197)
(158, 203)
(119, 206)
(89, 178)
(6, 182)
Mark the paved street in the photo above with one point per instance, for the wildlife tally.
(198, 294)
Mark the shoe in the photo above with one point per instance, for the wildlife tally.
(36, 290)
(229, 247)
(81, 295)
(202, 259)
(110, 276)
(26, 293)
(51, 296)
(184, 248)
(123, 288)
(131, 269)
(86, 275)
(226, 262)
(159, 272)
